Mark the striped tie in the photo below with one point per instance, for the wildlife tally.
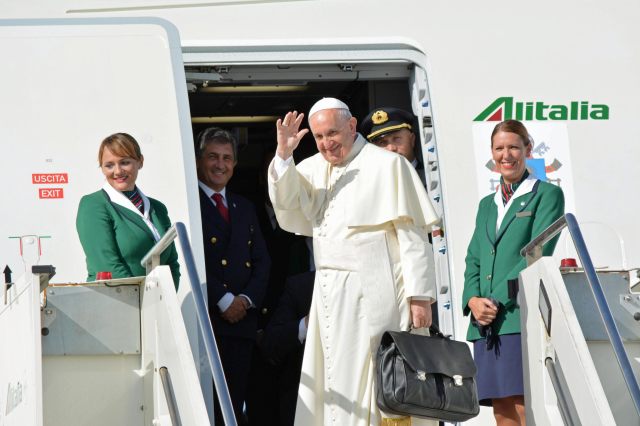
(136, 199)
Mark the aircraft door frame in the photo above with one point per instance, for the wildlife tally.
(346, 53)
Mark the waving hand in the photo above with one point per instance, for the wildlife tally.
(288, 134)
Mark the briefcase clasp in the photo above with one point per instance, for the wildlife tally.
(457, 380)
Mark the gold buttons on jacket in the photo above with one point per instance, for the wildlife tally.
(224, 262)
(489, 277)
(214, 240)
(248, 264)
(264, 310)
(249, 242)
(224, 285)
(493, 251)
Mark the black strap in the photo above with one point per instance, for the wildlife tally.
(435, 331)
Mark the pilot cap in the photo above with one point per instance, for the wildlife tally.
(327, 103)
(385, 120)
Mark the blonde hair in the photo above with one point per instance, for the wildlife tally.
(121, 144)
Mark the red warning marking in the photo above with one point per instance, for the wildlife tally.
(51, 192)
(48, 178)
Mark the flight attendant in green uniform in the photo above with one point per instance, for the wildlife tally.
(522, 207)
(118, 224)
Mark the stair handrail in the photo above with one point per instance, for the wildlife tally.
(170, 396)
(150, 261)
(533, 252)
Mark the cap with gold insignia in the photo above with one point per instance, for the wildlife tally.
(385, 120)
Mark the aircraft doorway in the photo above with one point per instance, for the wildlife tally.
(248, 99)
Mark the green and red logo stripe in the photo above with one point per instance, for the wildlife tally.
(505, 108)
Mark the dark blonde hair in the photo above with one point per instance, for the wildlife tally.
(121, 144)
(513, 126)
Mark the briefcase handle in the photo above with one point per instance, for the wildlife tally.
(434, 331)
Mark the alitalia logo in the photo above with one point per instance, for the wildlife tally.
(505, 108)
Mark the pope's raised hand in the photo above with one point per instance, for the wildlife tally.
(289, 134)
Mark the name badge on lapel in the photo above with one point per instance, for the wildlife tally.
(524, 213)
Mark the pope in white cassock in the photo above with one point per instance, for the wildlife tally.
(369, 216)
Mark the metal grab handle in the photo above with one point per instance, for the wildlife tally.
(150, 261)
(533, 251)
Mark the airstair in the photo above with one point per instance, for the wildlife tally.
(581, 338)
(117, 352)
(110, 352)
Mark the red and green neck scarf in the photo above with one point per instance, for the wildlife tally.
(508, 189)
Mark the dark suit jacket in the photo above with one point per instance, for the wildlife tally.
(115, 239)
(421, 171)
(280, 344)
(289, 256)
(236, 261)
(280, 339)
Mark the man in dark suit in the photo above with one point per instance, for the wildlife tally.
(289, 256)
(289, 252)
(236, 258)
(283, 343)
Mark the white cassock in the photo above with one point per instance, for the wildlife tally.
(369, 219)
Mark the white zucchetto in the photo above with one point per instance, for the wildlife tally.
(327, 103)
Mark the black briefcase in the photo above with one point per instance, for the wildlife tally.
(426, 376)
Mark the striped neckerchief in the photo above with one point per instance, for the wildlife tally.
(135, 198)
(507, 189)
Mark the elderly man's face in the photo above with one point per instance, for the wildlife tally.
(401, 141)
(333, 134)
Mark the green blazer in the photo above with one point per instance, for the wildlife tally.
(493, 257)
(116, 239)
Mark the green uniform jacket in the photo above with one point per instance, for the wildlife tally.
(115, 239)
(493, 258)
